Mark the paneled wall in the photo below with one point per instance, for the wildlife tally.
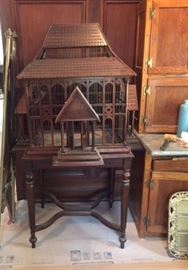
(31, 19)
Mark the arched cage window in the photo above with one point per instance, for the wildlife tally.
(109, 93)
(57, 94)
(44, 95)
(95, 94)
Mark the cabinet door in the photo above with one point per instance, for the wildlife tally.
(164, 184)
(162, 103)
(165, 54)
(169, 37)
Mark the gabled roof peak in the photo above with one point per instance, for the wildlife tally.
(77, 108)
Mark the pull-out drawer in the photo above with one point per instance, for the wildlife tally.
(171, 165)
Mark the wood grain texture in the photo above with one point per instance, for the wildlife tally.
(171, 165)
(119, 19)
(34, 19)
(169, 37)
(165, 184)
(166, 44)
(162, 105)
(141, 66)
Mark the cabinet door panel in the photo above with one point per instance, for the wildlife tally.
(158, 203)
(162, 104)
(169, 37)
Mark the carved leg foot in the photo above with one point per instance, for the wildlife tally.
(122, 240)
(33, 240)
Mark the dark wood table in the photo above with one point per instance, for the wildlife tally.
(117, 157)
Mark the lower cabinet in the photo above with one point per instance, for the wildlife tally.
(163, 174)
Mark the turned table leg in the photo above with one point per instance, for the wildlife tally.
(124, 204)
(31, 206)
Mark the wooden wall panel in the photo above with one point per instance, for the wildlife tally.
(7, 15)
(120, 28)
(31, 19)
(35, 17)
(94, 11)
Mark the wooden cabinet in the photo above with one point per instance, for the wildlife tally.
(164, 173)
(162, 83)
(161, 63)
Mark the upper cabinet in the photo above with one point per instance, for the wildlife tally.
(161, 63)
(169, 37)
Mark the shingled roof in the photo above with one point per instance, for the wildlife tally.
(69, 36)
(63, 37)
(76, 68)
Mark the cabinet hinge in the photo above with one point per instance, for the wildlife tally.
(147, 90)
(152, 13)
(146, 121)
(149, 62)
(150, 183)
(146, 221)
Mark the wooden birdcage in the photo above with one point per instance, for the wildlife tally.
(78, 100)
(76, 56)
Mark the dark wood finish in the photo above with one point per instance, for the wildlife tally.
(18, 152)
(120, 24)
(41, 15)
(124, 202)
(111, 160)
(77, 118)
(31, 19)
(31, 209)
(136, 203)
